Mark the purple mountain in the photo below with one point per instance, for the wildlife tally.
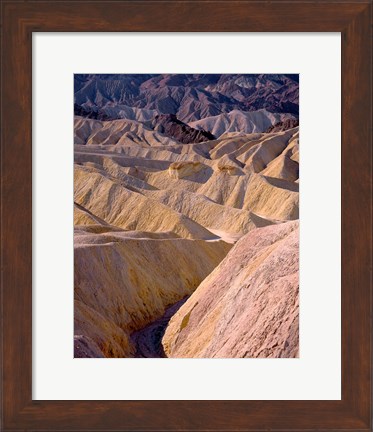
(190, 97)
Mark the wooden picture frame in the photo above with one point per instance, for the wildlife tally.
(19, 20)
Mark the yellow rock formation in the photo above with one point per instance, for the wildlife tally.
(125, 283)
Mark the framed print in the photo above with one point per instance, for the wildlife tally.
(216, 167)
(281, 377)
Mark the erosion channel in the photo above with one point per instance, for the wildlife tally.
(148, 341)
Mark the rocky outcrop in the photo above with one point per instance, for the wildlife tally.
(179, 170)
(248, 306)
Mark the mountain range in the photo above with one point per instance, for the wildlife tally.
(190, 97)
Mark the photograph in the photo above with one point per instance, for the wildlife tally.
(160, 219)
(186, 215)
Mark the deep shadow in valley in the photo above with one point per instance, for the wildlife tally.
(148, 341)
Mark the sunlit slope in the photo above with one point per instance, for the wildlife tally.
(248, 306)
(121, 284)
(115, 204)
(150, 214)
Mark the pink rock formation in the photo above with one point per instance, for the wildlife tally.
(248, 306)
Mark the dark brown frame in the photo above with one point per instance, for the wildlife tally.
(19, 20)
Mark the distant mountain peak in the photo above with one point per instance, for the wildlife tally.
(170, 125)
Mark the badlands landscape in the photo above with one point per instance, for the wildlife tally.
(186, 216)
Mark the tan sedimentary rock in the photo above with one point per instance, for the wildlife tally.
(207, 213)
(260, 155)
(272, 198)
(116, 171)
(178, 170)
(119, 206)
(116, 132)
(286, 165)
(220, 186)
(106, 335)
(282, 167)
(96, 236)
(268, 197)
(234, 144)
(125, 283)
(229, 164)
(236, 120)
(248, 306)
(82, 216)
